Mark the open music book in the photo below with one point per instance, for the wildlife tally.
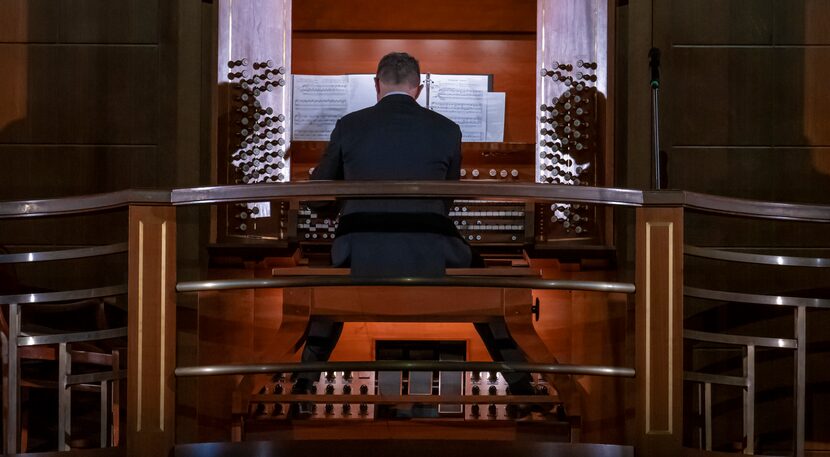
(319, 101)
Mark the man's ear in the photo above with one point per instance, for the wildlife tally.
(418, 92)
(377, 86)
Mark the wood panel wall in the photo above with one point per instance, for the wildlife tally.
(742, 101)
(96, 96)
(746, 104)
(490, 16)
(81, 91)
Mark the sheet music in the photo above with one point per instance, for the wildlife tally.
(362, 93)
(319, 101)
(495, 116)
(462, 99)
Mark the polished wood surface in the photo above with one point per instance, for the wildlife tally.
(151, 385)
(408, 304)
(468, 16)
(589, 328)
(659, 331)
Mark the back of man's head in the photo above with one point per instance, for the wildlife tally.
(399, 69)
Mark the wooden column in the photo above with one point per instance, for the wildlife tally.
(152, 331)
(659, 331)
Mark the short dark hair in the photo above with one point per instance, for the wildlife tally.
(399, 68)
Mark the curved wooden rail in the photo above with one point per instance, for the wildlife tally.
(447, 281)
(417, 189)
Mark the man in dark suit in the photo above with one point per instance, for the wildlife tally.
(397, 139)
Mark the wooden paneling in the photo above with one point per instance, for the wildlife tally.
(13, 86)
(416, 16)
(108, 21)
(233, 327)
(151, 391)
(93, 272)
(79, 21)
(743, 74)
(715, 230)
(84, 94)
(801, 22)
(83, 82)
(659, 340)
(787, 173)
(510, 61)
(42, 171)
(718, 96)
(588, 328)
(101, 228)
(716, 22)
(28, 21)
(801, 96)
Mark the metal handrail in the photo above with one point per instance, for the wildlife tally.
(407, 189)
(56, 338)
(83, 203)
(63, 254)
(756, 209)
(758, 299)
(403, 365)
(446, 281)
(417, 189)
(742, 340)
(78, 294)
(89, 378)
(708, 378)
(760, 259)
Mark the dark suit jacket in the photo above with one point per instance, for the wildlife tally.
(396, 139)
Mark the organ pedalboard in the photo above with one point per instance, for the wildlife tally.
(271, 401)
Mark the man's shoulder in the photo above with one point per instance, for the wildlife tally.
(359, 114)
(436, 121)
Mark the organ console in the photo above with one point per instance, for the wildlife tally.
(562, 141)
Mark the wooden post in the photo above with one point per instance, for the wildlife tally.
(152, 331)
(659, 331)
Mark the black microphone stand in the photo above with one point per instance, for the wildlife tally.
(654, 64)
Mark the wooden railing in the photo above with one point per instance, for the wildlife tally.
(659, 283)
